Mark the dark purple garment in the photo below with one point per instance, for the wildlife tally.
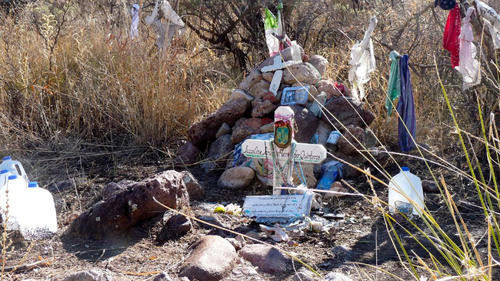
(406, 109)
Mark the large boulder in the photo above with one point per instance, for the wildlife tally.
(306, 122)
(204, 131)
(218, 153)
(347, 113)
(212, 259)
(319, 62)
(117, 214)
(267, 258)
(236, 178)
(305, 73)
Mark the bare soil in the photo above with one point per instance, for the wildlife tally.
(359, 245)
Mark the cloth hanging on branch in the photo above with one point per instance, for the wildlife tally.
(469, 67)
(445, 4)
(492, 20)
(276, 39)
(407, 126)
(451, 41)
(362, 62)
(394, 89)
(134, 12)
(165, 31)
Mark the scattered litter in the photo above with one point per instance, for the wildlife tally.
(405, 193)
(230, 209)
(134, 12)
(277, 233)
(174, 24)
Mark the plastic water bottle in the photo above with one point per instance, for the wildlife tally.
(11, 196)
(405, 193)
(39, 219)
(14, 167)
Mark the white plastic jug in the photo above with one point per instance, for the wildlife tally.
(405, 193)
(14, 166)
(39, 219)
(11, 200)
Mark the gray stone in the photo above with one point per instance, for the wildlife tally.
(90, 275)
(223, 130)
(175, 226)
(337, 276)
(212, 259)
(244, 128)
(351, 140)
(319, 62)
(264, 105)
(162, 277)
(304, 73)
(236, 178)
(370, 138)
(253, 77)
(194, 188)
(187, 153)
(323, 131)
(308, 171)
(218, 153)
(304, 274)
(267, 258)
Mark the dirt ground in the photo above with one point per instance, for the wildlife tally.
(358, 245)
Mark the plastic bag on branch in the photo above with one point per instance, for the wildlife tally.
(134, 12)
(469, 67)
(362, 62)
(492, 20)
(165, 31)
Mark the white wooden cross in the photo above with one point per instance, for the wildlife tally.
(283, 149)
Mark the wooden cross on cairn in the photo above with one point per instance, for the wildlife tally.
(283, 149)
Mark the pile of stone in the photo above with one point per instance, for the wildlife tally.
(250, 111)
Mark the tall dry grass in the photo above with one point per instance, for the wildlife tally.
(98, 85)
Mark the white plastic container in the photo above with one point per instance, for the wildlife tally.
(405, 193)
(15, 167)
(39, 219)
(11, 200)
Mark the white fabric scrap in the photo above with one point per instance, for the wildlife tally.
(492, 21)
(362, 62)
(174, 24)
(469, 67)
(134, 11)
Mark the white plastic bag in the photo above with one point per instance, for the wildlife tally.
(362, 62)
(492, 21)
(165, 31)
(134, 12)
(469, 67)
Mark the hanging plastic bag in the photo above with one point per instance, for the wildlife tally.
(362, 62)
(469, 67)
(134, 12)
(271, 28)
(492, 20)
(165, 31)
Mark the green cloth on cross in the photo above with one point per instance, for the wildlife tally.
(394, 88)
(270, 20)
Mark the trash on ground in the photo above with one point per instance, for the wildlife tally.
(277, 233)
(405, 193)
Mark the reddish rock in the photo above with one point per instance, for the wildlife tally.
(328, 86)
(236, 178)
(260, 89)
(264, 105)
(204, 131)
(187, 153)
(303, 72)
(286, 54)
(212, 259)
(347, 113)
(319, 62)
(113, 188)
(117, 214)
(267, 258)
(268, 76)
(306, 122)
(253, 77)
(244, 128)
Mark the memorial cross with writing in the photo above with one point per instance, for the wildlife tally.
(283, 149)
